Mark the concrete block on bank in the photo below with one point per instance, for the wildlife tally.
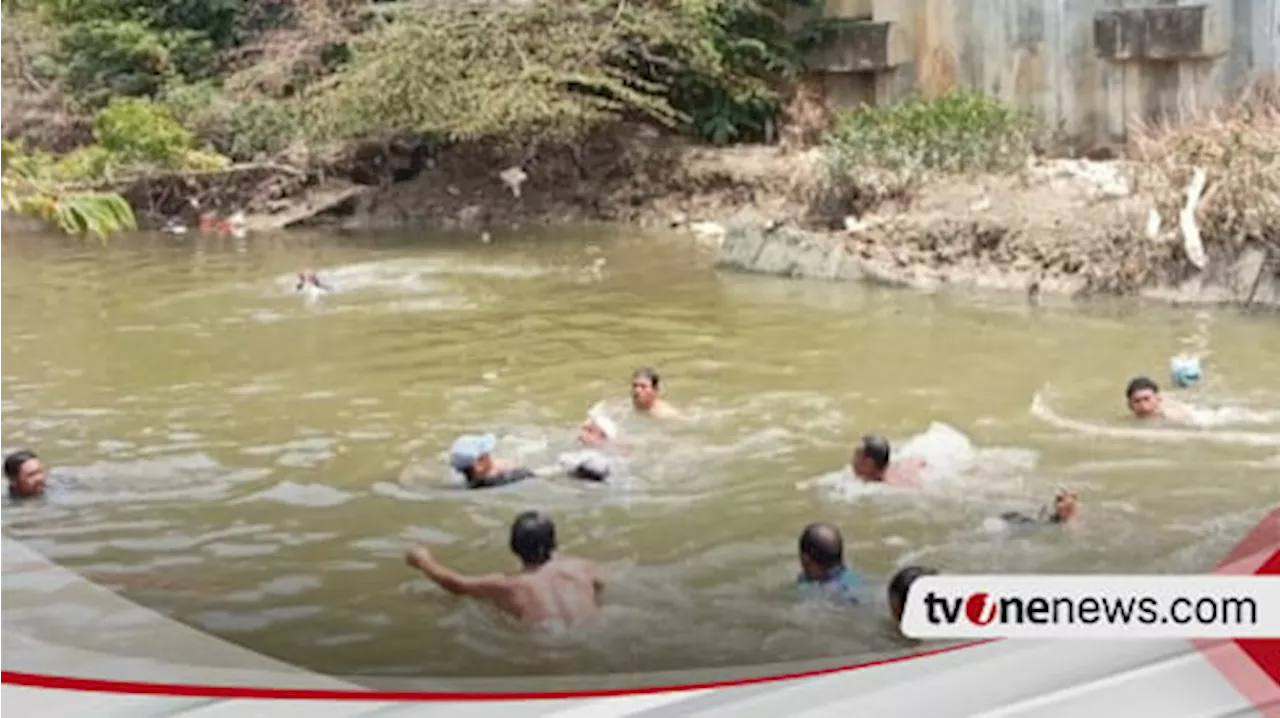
(863, 48)
(785, 252)
(1167, 33)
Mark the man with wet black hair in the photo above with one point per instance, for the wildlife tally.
(547, 588)
(646, 394)
(25, 474)
(1143, 397)
(822, 565)
(900, 585)
(870, 462)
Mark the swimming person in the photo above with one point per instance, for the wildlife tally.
(592, 463)
(870, 462)
(900, 586)
(822, 566)
(646, 395)
(309, 283)
(25, 473)
(1145, 402)
(547, 587)
(472, 456)
(1065, 508)
(597, 431)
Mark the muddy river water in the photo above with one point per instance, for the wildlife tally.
(255, 466)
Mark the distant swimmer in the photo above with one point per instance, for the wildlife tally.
(25, 474)
(1146, 402)
(822, 566)
(311, 286)
(871, 463)
(900, 587)
(547, 588)
(1065, 508)
(472, 456)
(646, 395)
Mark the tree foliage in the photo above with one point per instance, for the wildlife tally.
(30, 187)
(713, 67)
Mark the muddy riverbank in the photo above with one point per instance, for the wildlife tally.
(1070, 227)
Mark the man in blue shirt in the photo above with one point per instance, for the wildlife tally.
(822, 567)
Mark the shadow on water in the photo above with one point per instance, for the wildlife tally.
(199, 411)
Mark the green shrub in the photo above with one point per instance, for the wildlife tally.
(242, 127)
(736, 56)
(109, 48)
(102, 58)
(957, 133)
(139, 131)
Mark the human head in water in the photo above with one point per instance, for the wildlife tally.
(900, 585)
(533, 538)
(597, 430)
(645, 388)
(25, 474)
(472, 455)
(821, 551)
(871, 458)
(1065, 506)
(1143, 396)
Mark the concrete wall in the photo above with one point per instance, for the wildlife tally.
(1089, 68)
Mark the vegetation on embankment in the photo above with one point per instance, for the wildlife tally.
(616, 108)
(303, 83)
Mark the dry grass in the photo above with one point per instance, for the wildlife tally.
(1239, 149)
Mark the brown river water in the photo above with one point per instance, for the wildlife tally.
(255, 466)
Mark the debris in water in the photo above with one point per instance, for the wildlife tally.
(1191, 241)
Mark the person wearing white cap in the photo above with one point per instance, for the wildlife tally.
(591, 463)
(472, 456)
(597, 430)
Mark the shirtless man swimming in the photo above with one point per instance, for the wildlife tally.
(871, 463)
(1145, 402)
(547, 588)
(646, 395)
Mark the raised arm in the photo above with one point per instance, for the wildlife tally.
(492, 587)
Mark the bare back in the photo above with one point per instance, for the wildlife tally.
(565, 590)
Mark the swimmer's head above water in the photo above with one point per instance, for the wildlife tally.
(1143, 397)
(1065, 506)
(645, 388)
(25, 474)
(597, 430)
(871, 458)
(821, 551)
(900, 586)
(533, 538)
(472, 455)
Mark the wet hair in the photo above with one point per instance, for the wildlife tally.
(823, 544)
(533, 537)
(13, 469)
(647, 373)
(13, 463)
(1138, 384)
(875, 448)
(901, 582)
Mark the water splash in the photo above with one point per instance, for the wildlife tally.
(1041, 410)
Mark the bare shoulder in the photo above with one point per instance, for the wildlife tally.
(579, 566)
